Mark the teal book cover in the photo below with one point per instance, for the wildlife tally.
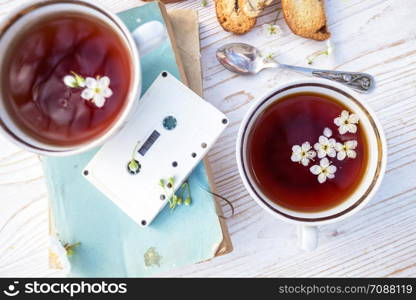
(111, 244)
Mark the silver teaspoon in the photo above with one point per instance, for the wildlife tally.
(246, 59)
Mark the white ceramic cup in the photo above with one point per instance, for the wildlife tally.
(144, 39)
(308, 222)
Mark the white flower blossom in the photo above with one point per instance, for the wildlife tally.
(272, 30)
(269, 57)
(326, 145)
(346, 150)
(59, 255)
(346, 122)
(324, 170)
(97, 90)
(329, 48)
(302, 154)
(74, 81)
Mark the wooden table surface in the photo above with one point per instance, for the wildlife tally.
(375, 36)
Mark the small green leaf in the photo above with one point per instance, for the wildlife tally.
(79, 80)
(162, 183)
(172, 181)
(204, 3)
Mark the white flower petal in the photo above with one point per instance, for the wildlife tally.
(321, 153)
(330, 176)
(87, 94)
(311, 154)
(98, 100)
(321, 178)
(332, 143)
(327, 132)
(107, 92)
(343, 129)
(306, 146)
(296, 157)
(339, 147)
(70, 81)
(332, 169)
(352, 128)
(331, 152)
(317, 146)
(337, 121)
(351, 144)
(344, 115)
(341, 155)
(354, 118)
(305, 161)
(351, 154)
(104, 82)
(324, 162)
(266, 29)
(90, 83)
(316, 170)
(323, 140)
(296, 149)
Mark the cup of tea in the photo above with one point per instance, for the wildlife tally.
(311, 153)
(70, 74)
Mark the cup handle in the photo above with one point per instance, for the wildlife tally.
(149, 36)
(308, 237)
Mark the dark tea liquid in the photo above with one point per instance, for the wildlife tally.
(294, 120)
(38, 60)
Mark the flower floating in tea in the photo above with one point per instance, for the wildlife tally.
(326, 145)
(95, 90)
(303, 154)
(324, 170)
(346, 150)
(74, 81)
(346, 122)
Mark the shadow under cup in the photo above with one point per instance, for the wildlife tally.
(105, 49)
(369, 180)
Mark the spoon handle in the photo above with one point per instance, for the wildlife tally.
(360, 82)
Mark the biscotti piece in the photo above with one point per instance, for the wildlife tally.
(306, 18)
(232, 18)
(253, 8)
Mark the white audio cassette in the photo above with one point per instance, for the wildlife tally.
(168, 135)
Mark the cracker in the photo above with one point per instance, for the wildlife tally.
(306, 18)
(232, 17)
